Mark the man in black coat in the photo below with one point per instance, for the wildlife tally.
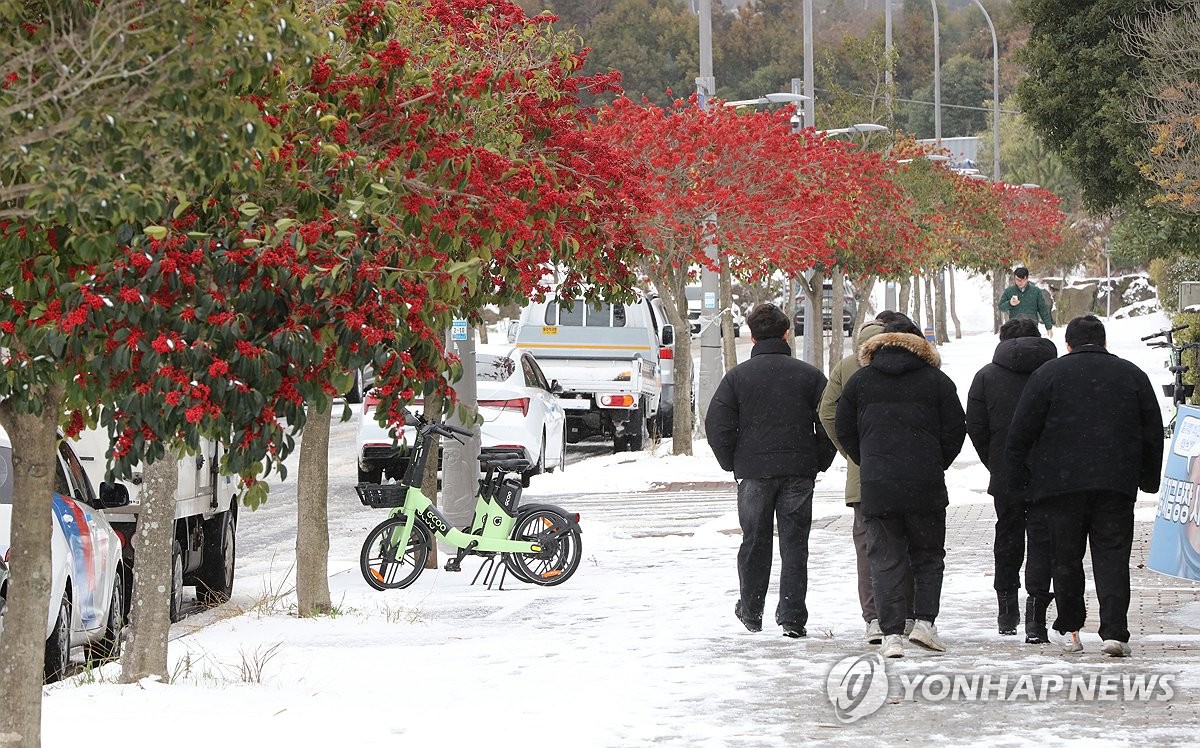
(762, 424)
(1087, 434)
(900, 419)
(990, 404)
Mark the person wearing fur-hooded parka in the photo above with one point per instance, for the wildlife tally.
(900, 419)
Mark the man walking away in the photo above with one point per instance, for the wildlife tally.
(990, 404)
(833, 392)
(762, 424)
(900, 419)
(1086, 435)
(1023, 299)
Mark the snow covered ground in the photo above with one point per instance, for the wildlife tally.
(640, 647)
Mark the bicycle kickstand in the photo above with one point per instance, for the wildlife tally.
(492, 570)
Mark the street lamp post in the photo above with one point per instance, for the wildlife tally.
(995, 94)
(937, 77)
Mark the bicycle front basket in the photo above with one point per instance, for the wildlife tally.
(381, 496)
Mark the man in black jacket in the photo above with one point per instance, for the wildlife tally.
(900, 419)
(990, 404)
(1087, 434)
(762, 424)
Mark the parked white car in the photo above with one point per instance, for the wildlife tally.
(87, 594)
(517, 403)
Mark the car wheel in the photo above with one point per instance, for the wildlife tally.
(538, 468)
(176, 582)
(109, 647)
(562, 456)
(370, 476)
(214, 583)
(58, 645)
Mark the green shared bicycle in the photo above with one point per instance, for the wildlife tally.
(538, 543)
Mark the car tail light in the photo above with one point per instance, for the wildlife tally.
(369, 402)
(617, 401)
(515, 404)
(122, 537)
(665, 354)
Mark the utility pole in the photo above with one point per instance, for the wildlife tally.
(710, 335)
(460, 460)
(807, 348)
(937, 77)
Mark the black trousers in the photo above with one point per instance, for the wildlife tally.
(762, 502)
(1039, 559)
(866, 591)
(903, 543)
(1102, 520)
(1016, 523)
(1008, 548)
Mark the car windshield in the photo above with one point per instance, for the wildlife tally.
(6, 475)
(490, 368)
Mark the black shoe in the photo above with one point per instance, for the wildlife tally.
(793, 631)
(1035, 621)
(751, 624)
(1010, 612)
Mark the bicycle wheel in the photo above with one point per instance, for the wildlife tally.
(384, 564)
(562, 549)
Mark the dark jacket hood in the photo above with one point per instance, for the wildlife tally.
(898, 352)
(1024, 355)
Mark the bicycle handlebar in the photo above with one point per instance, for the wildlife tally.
(1161, 333)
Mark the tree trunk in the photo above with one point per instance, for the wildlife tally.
(150, 611)
(999, 278)
(929, 315)
(954, 308)
(915, 313)
(789, 308)
(939, 306)
(905, 292)
(813, 318)
(863, 288)
(312, 515)
(728, 344)
(23, 646)
(482, 331)
(673, 287)
(837, 336)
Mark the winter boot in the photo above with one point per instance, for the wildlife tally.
(1010, 612)
(1035, 620)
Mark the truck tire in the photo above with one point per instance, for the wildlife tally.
(214, 580)
(176, 582)
(635, 428)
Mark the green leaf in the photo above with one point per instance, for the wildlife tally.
(155, 232)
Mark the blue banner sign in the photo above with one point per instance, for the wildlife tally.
(1175, 543)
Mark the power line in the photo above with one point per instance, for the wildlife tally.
(927, 103)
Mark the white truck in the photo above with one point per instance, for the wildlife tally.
(205, 549)
(605, 359)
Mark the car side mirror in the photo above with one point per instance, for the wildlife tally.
(668, 334)
(113, 495)
(555, 387)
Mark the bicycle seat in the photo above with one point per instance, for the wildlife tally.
(519, 464)
(493, 456)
